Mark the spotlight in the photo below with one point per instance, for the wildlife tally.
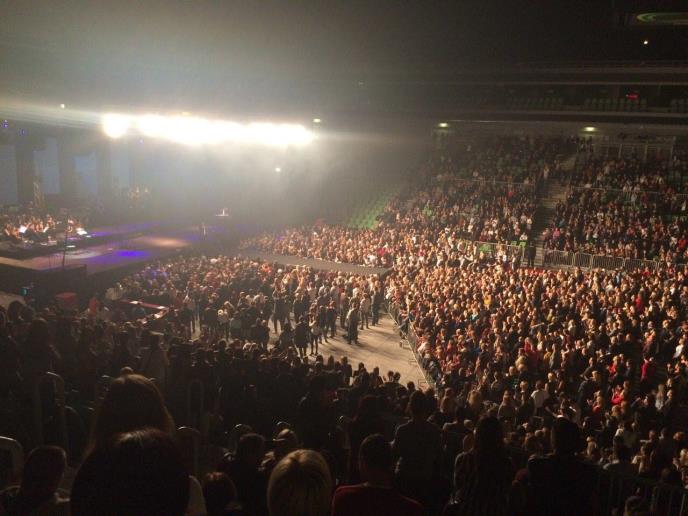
(190, 130)
(62, 106)
(589, 129)
(443, 125)
(316, 120)
(278, 169)
(115, 126)
(646, 42)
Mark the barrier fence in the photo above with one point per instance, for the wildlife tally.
(634, 197)
(411, 338)
(557, 258)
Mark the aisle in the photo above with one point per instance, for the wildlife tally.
(377, 346)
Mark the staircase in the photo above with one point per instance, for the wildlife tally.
(365, 213)
(552, 193)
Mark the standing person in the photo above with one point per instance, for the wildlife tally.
(377, 494)
(530, 254)
(299, 308)
(331, 319)
(301, 336)
(279, 313)
(154, 362)
(235, 325)
(417, 445)
(366, 304)
(483, 475)
(352, 324)
(343, 310)
(316, 334)
(190, 309)
(286, 339)
(263, 334)
(322, 321)
(378, 298)
(223, 322)
(560, 483)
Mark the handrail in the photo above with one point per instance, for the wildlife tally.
(60, 405)
(187, 433)
(16, 452)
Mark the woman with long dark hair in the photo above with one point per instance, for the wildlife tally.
(483, 476)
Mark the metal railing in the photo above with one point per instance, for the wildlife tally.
(556, 258)
(407, 330)
(613, 489)
(632, 196)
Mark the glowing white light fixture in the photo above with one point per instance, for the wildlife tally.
(646, 42)
(62, 106)
(115, 126)
(278, 169)
(589, 129)
(316, 120)
(201, 131)
(443, 125)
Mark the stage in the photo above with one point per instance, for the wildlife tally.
(95, 236)
(114, 254)
(88, 270)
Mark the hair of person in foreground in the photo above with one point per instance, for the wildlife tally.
(300, 485)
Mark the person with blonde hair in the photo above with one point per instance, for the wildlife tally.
(300, 485)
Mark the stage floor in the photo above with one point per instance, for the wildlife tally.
(114, 254)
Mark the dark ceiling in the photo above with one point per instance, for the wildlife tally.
(258, 56)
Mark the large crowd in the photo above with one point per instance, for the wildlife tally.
(548, 385)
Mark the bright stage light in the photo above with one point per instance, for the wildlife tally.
(316, 120)
(200, 131)
(115, 126)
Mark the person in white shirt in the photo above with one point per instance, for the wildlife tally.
(539, 395)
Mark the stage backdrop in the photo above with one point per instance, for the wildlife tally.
(47, 162)
(8, 175)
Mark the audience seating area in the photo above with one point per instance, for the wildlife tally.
(554, 391)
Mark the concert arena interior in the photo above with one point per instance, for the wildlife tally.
(343, 258)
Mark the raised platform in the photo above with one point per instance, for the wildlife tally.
(92, 269)
(96, 236)
(314, 263)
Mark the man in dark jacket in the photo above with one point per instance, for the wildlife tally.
(301, 337)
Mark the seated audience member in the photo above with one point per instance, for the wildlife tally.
(300, 485)
(560, 483)
(138, 473)
(376, 495)
(38, 492)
